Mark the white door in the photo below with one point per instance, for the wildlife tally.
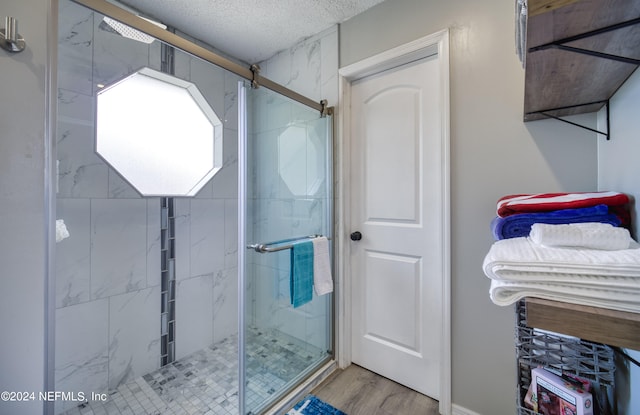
(397, 267)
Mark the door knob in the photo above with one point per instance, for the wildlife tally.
(356, 236)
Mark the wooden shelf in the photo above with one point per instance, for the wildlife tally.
(557, 78)
(615, 328)
(537, 7)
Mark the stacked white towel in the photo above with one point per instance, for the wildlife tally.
(520, 268)
(581, 235)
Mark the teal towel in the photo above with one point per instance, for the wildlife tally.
(301, 278)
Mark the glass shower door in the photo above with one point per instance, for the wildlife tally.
(287, 198)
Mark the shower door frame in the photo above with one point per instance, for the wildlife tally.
(323, 369)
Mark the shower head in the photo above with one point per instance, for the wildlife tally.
(110, 25)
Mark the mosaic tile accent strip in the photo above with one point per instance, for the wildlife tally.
(206, 382)
(167, 278)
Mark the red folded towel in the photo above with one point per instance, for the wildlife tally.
(544, 202)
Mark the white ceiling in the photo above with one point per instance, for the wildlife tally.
(251, 30)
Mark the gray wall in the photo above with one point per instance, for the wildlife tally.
(618, 169)
(22, 217)
(493, 153)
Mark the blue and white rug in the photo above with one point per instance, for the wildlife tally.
(314, 406)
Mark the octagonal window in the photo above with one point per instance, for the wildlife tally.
(300, 160)
(159, 133)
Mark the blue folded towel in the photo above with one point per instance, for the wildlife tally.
(514, 226)
(301, 278)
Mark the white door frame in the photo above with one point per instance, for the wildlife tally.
(426, 46)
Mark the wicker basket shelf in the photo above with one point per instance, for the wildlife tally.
(534, 348)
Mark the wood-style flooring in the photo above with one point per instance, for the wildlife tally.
(357, 391)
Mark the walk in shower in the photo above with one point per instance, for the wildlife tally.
(162, 306)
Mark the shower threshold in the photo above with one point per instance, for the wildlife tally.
(206, 382)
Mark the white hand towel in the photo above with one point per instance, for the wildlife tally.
(322, 279)
(61, 230)
(590, 235)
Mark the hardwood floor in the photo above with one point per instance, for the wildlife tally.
(357, 391)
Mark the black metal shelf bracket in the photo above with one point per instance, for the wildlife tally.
(546, 113)
(561, 43)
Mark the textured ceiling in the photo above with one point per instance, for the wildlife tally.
(251, 30)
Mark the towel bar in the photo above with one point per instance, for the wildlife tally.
(266, 247)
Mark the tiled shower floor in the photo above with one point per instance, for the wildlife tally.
(206, 382)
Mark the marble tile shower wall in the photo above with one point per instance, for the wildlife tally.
(281, 210)
(108, 270)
